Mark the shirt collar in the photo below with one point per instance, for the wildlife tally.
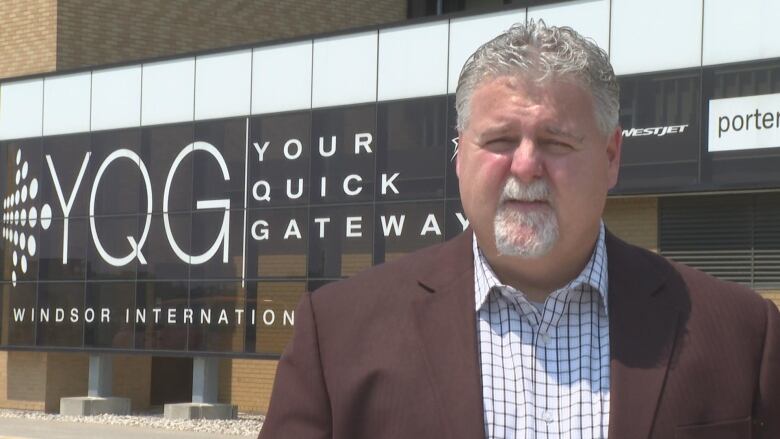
(594, 274)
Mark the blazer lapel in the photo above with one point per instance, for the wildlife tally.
(446, 321)
(646, 304)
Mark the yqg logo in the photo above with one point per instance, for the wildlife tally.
(20, 217)
(137, 244)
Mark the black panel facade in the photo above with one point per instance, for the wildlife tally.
(748, 168)
(201, 237)
(659, 116)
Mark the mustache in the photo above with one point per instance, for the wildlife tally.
(513, 189)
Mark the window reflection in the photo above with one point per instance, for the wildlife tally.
(344, 162)
(159, 148)
(117, 300)
(16, 323)
(67, 155)
(55, 263)
(218, 317)
(411, 149)
(275, 313)
(154, 302)
(405, 227)
(277, 241)
(279, 160)
(341, 240)
(228, 137)
(121, 188)
(61, 314)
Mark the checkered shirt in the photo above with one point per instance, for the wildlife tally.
(544, 374)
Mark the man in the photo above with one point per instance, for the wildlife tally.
(536, 322)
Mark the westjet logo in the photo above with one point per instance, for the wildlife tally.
(655, 131)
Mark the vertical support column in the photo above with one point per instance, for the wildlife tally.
(100, 375)
(205, 387)
(98, 400)
(205, 380)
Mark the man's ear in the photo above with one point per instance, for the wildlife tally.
(614, 148)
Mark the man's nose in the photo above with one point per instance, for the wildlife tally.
(527, 161)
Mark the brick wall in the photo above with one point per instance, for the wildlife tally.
(66, 375)
(28, 37)
(104, 31)
(247, 383)
(37, 380)
(133, 379)
(25, 381)
(634, 220)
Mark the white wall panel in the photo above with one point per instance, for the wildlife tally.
(741, 31)
(344, 70)
(413, 61)
(168, 91)
(658, 35)
(66, 102)
(589, 18)
(468, 33)
(116, 98)
(281, 78)
(21, 109)
(223, 84)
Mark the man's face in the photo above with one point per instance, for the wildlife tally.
(533, 167)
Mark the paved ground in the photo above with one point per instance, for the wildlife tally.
(20, 428)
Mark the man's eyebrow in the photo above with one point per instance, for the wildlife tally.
(494, 130)
(563, 133)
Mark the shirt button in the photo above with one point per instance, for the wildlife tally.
(548, 417)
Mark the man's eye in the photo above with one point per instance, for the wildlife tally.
(500, 143)
(558, 145)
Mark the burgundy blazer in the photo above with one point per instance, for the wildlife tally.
(392, 353)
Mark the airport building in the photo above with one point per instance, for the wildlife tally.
(173, 180)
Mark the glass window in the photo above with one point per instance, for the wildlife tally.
(741, 168)
(405, 227)
(280, 160)
(343, 161)
(160, 146)
(161, 260)
(121, 188)
(65, 158)
(277, 241)
(62, 245)
(217, 233)
(218, 317)
(659, 116)
(340, 240)
(411, 148)
(61, 314)
(114, 306)
(110, 253)
(17, 318)
(274, 305)
(154, 302)
(228, 138)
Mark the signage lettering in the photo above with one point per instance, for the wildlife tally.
(747, 122)
(655, 131)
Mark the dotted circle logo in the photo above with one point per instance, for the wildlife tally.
(20, 217)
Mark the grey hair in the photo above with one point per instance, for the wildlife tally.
(540, 52)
